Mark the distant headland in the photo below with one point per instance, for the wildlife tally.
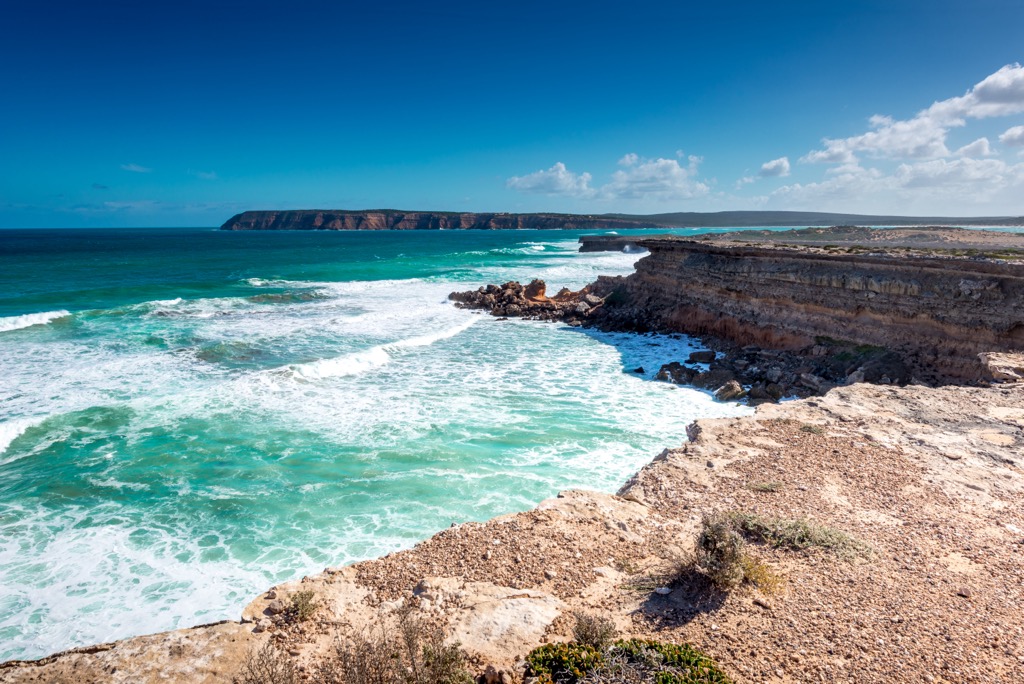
(392, 219)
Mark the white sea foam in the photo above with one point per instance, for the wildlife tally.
(12, 429)
(375, 357)
(8, 323)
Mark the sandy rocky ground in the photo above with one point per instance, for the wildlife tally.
(930, 478)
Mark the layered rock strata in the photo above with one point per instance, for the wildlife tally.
(420, 220)
(938, 310)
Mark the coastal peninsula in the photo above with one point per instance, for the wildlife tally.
(391, 219)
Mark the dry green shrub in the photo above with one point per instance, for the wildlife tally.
(414, 654)
(303, 606)
(798, 534)
(765, 487)
(719, 552)
(594, 630)
(812, 429)
(266, 665)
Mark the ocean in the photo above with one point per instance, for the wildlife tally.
(188, 416)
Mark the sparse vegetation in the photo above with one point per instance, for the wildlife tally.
(766, 487)
(812, 429)
(719, 552)
(266, 665)
(632, 661)
(416, 654)
(302, 607)
(797, 534)
(760, 574)
(594, 630)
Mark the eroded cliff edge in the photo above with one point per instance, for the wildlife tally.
(939, 303)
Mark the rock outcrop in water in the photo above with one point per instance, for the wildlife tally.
(387, 219)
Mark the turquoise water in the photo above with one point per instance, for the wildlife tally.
(189, 416)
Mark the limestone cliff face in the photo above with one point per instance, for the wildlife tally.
(942, 311)
(416, 220)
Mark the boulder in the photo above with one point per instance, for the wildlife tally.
(714, 378)
(535, 290)
(706, 356)
(730, 391)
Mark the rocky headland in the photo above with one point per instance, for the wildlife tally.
(891, 515)
(392, 219)
(385, 219)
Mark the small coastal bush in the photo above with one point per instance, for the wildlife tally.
(267, 665)
(719, 552)
(722, 556)
(416, 654)
(623, 662)
(594, 630)
(766, 487)
(303, 605)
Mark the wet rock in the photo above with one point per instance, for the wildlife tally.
(706, 356)
(730, 391)
(713, 379)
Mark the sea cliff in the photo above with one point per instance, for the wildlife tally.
(421, 220)
(938, 308)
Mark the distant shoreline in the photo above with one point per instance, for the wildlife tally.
(391, 219)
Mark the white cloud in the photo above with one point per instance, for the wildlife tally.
(930, 187)
(924, 135)
(776, 168)
(1013, 137)
(135, 168)
(558, 180)
(638, 179)
(978, 148)
(662, 179)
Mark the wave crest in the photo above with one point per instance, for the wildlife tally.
(9, 323)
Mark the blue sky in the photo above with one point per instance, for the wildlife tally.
(181, 114)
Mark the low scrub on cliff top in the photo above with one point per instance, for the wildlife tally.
(797, 534)
(267, 664)
(623, 662)
(721, 554)
(415, 653)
